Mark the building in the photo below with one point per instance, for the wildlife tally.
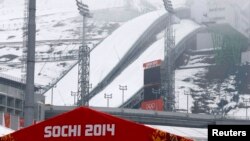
(222, 11)
(12, 102)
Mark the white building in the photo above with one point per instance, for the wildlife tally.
(236, 13)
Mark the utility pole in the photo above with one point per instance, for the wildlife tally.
(246, 101)
(84, 60)
(168, 81)
(123, 88)
(108, 96)
(29, 89)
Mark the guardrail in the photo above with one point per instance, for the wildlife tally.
(156, 117)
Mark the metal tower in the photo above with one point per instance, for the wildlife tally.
(84, 60)
(168, 82)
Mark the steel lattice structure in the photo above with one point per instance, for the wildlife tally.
(84, 60)
(168, 82)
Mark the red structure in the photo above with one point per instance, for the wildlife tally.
(152, 86)
(157, 105)
(84, 124)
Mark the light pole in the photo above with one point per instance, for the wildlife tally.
(168, 6)
(74, 94)
(84, 60)
(123, 88)
(246, 101)
(156, 92)
(52, 94)
(108, 96)
(186, 93)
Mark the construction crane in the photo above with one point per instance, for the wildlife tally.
(168, 82)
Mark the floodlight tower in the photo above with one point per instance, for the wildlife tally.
(168, 82)
(84, 60)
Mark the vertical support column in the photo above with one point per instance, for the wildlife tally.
(29, 89)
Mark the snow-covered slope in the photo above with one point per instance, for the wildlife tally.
(135, 70)
(106, 55)
(112, 49)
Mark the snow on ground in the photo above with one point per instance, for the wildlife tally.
(183, 87)
(243, 110)
(5, 131)
(56, 20)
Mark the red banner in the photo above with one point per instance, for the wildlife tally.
(84, 124)
(7, 120)
(157, 105)
(152, 64)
